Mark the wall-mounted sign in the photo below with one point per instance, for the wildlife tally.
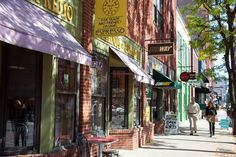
(110, 18)
(63, 9)
(161, 49)
(125, 45)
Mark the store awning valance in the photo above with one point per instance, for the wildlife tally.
(204, 78)
(202, 89)
(25, 25)
(139, 74)
(162, 81)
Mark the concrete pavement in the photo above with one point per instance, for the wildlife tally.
(184, 145)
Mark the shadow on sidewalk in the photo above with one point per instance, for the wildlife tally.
(219, 151)
(184, 140)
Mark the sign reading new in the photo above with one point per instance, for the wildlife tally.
(110, 18)
(161, 49)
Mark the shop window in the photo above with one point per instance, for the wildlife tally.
(99, 93)
(180, 49)
(65, 101)
(119, 92)
(21, 71)
(149, 113)
(158, 13)
(159, 104)
(154, 106)
(137, 104)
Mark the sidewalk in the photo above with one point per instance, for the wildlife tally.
(184, 145)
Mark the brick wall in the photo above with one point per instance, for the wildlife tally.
(159, 127)
(85, 74)
(147, 134)
(131, 139)
(73, 152)
(85, 71)
(128, 138)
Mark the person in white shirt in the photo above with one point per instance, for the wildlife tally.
(193, 113)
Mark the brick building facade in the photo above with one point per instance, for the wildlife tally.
(112, 91)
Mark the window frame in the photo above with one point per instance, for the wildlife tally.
(126, 70)
(103, 97)
(158, 13)
(62, 140)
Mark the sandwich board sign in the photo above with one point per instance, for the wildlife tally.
(171, 123)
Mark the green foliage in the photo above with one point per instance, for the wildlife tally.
(213, 73)
(207, 21)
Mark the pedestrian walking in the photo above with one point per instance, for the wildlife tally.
(193, 114)
(210, 114)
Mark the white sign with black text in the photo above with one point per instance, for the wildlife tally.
(171, 123)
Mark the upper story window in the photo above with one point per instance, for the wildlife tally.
(158, 13)
(180, 48)
(171, 27)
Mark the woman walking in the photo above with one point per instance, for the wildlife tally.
(210, 114)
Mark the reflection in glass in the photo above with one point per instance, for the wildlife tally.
(20, 123)
(118, 89)
(65, 117)
(137, 104)
(65, 102)
(97, 113)
(99, 93)
(20, 99)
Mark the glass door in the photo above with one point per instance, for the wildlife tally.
(119, 100)
(19, 99)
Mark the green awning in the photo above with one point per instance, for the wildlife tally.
(160, 78)
(162, 81)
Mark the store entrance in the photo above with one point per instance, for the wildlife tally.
(19, 99)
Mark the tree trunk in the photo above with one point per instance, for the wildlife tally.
(231, 66)
(233, 105)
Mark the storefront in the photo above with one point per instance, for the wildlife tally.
(163, 93)
(117, 69)
(39, 69)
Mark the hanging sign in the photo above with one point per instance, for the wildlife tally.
(110, 18)
(192, 75)
(185, 76)
(161, 49)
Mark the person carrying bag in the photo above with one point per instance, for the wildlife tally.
(210, 114)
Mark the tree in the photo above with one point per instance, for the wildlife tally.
(212, 24)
